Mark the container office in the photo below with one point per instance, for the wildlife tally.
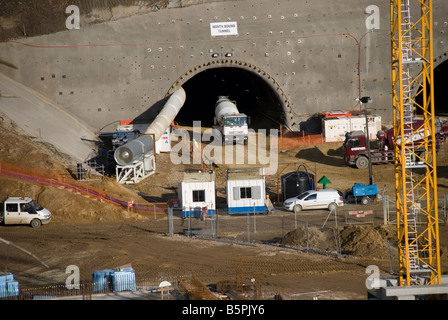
(246, 190)
(197, 194)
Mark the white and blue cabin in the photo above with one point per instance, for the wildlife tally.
(246, 190)
(197, 194)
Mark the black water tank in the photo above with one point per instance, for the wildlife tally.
(295, 183)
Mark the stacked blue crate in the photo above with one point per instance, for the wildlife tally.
(122, 279)
(12, 288)
(8, 286)
(101, 279)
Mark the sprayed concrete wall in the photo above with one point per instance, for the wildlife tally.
(311, 55)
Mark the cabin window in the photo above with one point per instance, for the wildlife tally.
(246, 193)
(198, 195)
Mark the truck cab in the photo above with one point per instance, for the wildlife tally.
(20, 210)
(356, 152)
(233, 125)
(354, 146)
(235, 128)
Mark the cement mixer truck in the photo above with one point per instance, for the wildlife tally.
(232, 124)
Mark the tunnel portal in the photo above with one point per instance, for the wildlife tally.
(440, 83)
(253, 95)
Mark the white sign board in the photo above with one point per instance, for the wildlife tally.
(223, 29)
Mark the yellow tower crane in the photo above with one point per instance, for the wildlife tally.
(415, 170)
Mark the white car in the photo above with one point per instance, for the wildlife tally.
(315, 199)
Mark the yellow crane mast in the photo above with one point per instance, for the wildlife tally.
(415, 143)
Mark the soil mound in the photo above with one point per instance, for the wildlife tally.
(312, 238)
(360, 241)
(368, 241)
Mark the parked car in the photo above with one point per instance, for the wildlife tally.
(315, 199)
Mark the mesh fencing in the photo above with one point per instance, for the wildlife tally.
(281, 228)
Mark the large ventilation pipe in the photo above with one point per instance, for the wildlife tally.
(137, 148)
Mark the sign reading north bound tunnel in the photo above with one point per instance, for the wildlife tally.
(223, 29)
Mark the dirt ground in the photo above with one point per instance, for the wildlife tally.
(95, 236)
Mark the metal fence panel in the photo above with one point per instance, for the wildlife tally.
(249, 229)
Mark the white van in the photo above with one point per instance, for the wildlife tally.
(17, 210)
(314, 199)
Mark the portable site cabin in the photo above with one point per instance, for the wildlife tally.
(246, 190)
(197, 194)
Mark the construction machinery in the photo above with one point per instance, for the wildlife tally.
(232, 124)
(355, 144)
(356, 153)
(415, 172)
(136, 159)
(419, 273)
(361, 193)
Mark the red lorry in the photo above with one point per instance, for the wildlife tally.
(355, 147)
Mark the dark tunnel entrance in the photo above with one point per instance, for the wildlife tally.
(253, 96)
(440, 85)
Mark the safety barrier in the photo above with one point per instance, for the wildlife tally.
(289, 140)
(43, 177)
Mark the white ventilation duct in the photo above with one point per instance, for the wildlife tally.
(137, 148)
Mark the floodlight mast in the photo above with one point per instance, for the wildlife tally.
(362, 101)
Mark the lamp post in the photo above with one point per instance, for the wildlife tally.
(362, 101)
